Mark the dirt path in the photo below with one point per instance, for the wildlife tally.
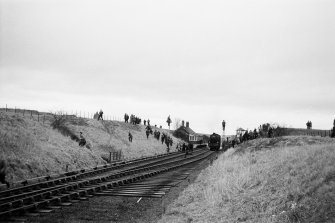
(119, 209)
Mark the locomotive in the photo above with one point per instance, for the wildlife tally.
(214, 142)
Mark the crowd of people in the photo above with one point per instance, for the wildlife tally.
(182, 147)
(132, 119)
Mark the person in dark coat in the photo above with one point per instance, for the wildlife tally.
(126, 118)
(130, 137)
(183, 147)
(100, 115)
(3, 170)
(82, 140)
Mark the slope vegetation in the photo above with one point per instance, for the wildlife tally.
(287, 179)
(32, 148)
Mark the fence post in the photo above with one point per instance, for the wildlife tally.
(110, 157)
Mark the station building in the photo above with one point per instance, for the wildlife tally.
(188, 135)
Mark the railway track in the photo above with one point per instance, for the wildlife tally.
(122, 179)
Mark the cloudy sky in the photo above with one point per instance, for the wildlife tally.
(245, 61)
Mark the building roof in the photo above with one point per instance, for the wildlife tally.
(240, 129)
(186, 130)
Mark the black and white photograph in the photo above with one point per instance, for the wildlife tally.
(152, 111)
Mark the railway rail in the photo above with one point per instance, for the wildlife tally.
(109, 180)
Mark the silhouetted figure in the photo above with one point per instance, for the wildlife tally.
(309, 125)
(3, 170)
(100, 115)
(145, 122)
(148, 121)
(126, 118)
(82, 140)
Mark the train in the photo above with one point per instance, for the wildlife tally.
(214, 142)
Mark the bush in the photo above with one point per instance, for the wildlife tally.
(59, 122)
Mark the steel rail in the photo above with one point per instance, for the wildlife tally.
(80, 189)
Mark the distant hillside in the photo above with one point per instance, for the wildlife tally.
(31, 147)
(267, 180)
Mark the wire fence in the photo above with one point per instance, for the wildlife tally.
(322, 133)
(45, 116)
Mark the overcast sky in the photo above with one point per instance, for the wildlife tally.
(245, 61)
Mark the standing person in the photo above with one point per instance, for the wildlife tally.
(82, 140)
(3, 170)
(147, 132)
(163, 138)
(167, 143)
(100, 115)
(183, 147)
(130, 137)
(126, 118)
(189, 149)
(148, 121)
(145, 122)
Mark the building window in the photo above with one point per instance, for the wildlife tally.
(192, 138)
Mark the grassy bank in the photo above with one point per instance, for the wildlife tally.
(266, 180)
(32, 148)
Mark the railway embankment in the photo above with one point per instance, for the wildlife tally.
(284, 179)
(33, 148)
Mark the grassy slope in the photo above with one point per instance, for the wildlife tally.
(33, 149)
(289, 179)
